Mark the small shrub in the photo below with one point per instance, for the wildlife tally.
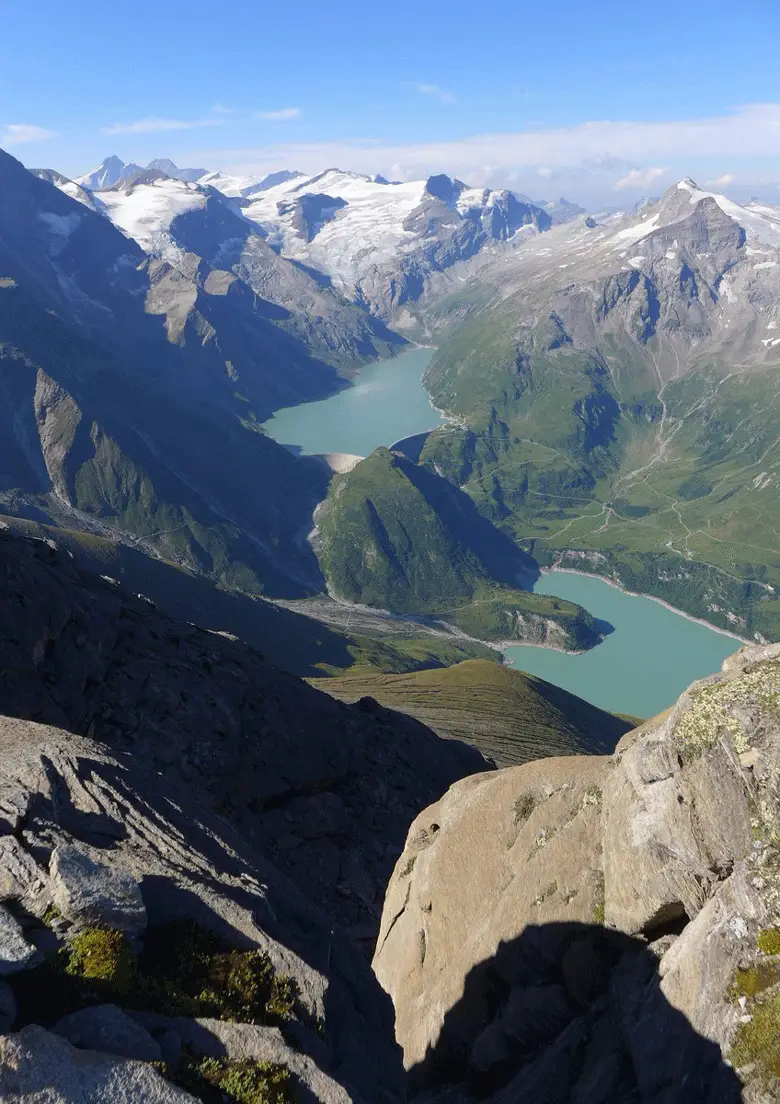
(769, 941)
(524, 806)
(216, 1080)
(191, 972)
(182, 971)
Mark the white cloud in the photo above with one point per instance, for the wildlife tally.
(16, 134)
(724, 181)
(158, 126)
(641, 178)
(280, 115)
(433, 90)
(585, 159)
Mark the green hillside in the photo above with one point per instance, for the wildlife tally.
(397, 536)
(510, 716)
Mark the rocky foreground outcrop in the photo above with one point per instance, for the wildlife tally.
(188, 838)
(602, 930)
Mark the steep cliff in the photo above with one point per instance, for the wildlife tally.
(602, 929)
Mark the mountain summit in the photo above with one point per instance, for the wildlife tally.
(113, 171)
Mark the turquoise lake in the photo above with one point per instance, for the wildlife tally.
(640, 668)
(386, 403)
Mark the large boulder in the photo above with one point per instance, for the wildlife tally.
(106, 1028)
(602, 929)
(37, 1067)
(89, 892)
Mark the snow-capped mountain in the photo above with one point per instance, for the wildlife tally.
(204, 237)
(107, 174)
(131, 394)
(380, 242)
(240, 187)
(113, 171)
(70, 188)
(692, 276)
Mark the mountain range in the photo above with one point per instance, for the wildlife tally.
(609, 380)
(613, 389)
(200, 850)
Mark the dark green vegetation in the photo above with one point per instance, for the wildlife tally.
(182, 970)
(509, 716)
(217, 1080)
(396, 535)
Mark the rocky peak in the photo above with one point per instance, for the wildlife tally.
(618, 933)
(444, 188)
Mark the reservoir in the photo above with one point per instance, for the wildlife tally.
(643, 666)
(640, 668)
(386, 403)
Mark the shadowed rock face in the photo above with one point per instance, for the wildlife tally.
(505, 882)
(326, 790)
(152, 771)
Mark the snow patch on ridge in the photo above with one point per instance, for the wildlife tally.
(145, 213)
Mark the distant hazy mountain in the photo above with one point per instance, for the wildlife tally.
(164, 164)
(113, 170)
(561, 210)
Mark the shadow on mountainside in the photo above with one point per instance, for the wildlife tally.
(572, 1013)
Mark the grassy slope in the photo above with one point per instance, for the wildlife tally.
(511, 717)
(397, 536)
(688, 510)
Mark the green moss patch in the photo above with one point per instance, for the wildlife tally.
(769, 941)
(754, 980)
(713, 711)
(181, 971)
(757, 1043)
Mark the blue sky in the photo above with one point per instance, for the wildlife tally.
(600, 101)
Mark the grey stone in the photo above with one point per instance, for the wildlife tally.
(250, 1042)
(15, 952)
(89, 892)
(493, 942)
(39, 1067)
(106, 1028)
